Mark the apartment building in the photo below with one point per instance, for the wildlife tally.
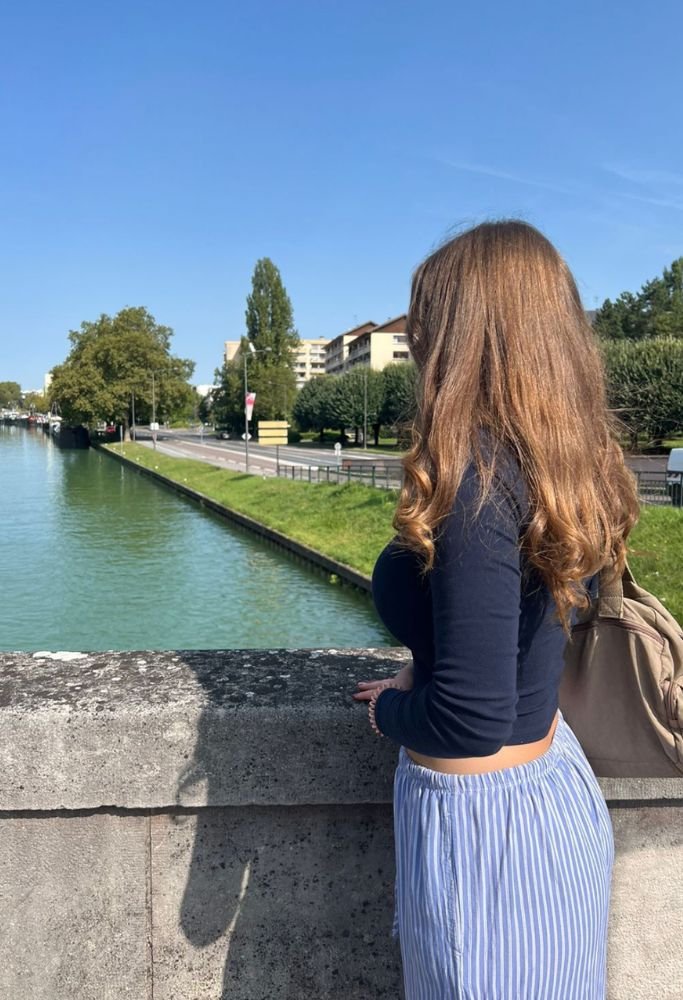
(231, 349)
(309, 358)
(380, 346)
(337, 349)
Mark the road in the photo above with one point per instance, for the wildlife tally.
(262, 458)
(191, 444)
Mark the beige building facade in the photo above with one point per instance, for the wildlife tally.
(376, 345)
(380, 346)
(309, 358)
(337, 350)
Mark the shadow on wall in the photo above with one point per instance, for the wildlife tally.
(277, 900)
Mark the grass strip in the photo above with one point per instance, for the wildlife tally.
(351, 522)
(656, 555)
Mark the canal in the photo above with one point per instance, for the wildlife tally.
(95, 557)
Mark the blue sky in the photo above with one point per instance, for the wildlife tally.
(151, 152)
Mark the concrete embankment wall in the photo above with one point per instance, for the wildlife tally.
(219, 825)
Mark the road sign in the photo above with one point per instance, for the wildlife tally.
(154, 426)
(272, 432)
(244, 436)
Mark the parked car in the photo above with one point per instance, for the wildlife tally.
(674, 476)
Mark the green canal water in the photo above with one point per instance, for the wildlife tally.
(94, 557)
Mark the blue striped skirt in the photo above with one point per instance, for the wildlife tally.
(503, 879)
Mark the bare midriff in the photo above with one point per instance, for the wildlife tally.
(507, 756)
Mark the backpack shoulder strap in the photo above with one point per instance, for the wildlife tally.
(611, 592)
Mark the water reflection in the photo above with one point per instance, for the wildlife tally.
(96, 557)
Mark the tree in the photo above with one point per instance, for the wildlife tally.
(312, 410)
(115, 357)
(10, 393)
(35, 401)
(270, 323)
(645, 380)
(400, 388)
(655, 311)
(358, 393)
(227, 399)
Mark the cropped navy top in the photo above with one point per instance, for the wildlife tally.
(487, 650)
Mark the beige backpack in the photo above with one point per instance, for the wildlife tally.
(622, 687)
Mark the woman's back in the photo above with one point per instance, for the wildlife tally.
(481, 626)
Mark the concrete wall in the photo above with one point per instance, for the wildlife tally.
(219, 825)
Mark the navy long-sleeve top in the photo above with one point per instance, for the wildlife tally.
(487, 652)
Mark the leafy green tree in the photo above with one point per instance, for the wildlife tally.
(205, 407)
(645, 383)
(227, 399)
(10, 393)
(400, 388)
(655, 311)
(36, 402)
(270, 324)
(114, 358)
(358, 391)
(312, 408)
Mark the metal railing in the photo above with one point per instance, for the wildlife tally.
(384, 475)
(652, 486)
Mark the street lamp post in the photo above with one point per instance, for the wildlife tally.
(153, 373)
(253, 350)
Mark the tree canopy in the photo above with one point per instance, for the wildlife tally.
(114, 358)
(645, 384)
(270, 371)
(10, 393)
(655, 311)
(388, 397)
(270, 324)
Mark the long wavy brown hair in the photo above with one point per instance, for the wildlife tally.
(502, 345)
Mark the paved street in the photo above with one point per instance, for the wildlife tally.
(262, 458)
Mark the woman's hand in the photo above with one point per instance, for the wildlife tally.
(404, 677)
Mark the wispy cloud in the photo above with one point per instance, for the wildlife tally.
(652, 200)
(663, 188)
(647, 177)
(655, 185)
(505, 175)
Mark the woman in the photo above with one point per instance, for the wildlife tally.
(515, 495)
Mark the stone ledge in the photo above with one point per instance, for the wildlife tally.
(149, 730)
(191, 728)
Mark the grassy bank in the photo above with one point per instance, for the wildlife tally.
(354, 522)
(656, 556)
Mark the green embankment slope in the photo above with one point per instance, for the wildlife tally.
(353, 523)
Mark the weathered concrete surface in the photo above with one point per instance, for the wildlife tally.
(152, 730)
(646, 916)
(74, 913)
(224, 831)
(257, 902)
